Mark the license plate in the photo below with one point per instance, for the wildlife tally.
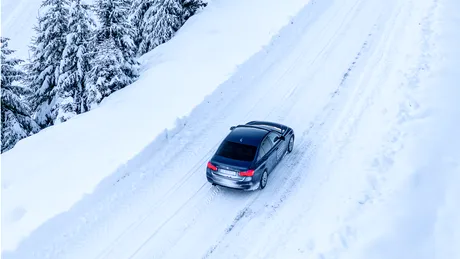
(227, 172)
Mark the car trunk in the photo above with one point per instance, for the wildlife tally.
(230, 167)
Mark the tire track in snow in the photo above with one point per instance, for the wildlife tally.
(353, 64)
(293, 94)
(162, 201)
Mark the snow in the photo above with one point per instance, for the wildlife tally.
(422, 217)
(370, 88)
(68, 161)
(17, 24)
(18, 20)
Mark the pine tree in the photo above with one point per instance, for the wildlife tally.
(114, 65)
(74, 65)
(16, 115)
(162, 19)
(108, 73)
(139, 7)
(190, 7)
(47, 48)
(113, 17)
(160, 23)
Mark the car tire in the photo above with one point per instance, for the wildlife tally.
(263, 180)
(290, 144)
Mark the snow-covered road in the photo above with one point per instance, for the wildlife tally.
(346, 75)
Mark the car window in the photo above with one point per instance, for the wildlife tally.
(261, 153)
(237, 151)
(266, 145)
(272, 136)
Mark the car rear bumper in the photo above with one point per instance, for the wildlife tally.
(248, 183)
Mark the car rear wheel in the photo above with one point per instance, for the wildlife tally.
(291, 144)
(263, 180)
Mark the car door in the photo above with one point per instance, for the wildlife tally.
(270, 155)
(277, 145)
(261, 158)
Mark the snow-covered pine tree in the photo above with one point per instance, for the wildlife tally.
(17, 122)
(160, 23)
(47, 48)
(163, 19)
(71, 89)
(108, 73)
(139, 8)
(190, 7)
(114, 65)
(114, 24)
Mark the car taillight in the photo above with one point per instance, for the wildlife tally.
(247, 173)
(212, 167)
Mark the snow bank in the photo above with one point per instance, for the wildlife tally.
(44, 175)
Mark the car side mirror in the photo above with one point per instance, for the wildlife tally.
(280, 138)
(232, 127)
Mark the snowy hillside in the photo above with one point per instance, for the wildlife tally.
(370, 88)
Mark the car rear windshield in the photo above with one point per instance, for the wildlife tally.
(237, 151)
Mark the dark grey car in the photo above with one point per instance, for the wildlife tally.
(248, 155)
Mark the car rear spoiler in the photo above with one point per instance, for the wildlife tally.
(282, 128)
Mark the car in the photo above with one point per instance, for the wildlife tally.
(249, 154)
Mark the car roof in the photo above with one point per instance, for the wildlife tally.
(249, 135)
